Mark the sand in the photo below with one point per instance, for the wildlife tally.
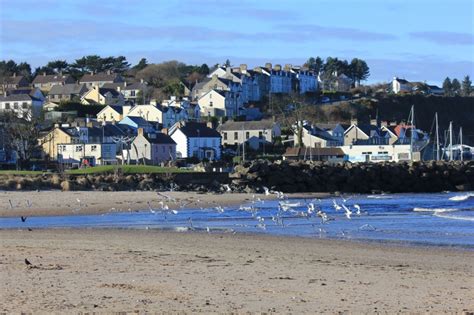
(55, 202)
(146, 270)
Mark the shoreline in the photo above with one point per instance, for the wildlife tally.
(57, 203)
(109, 270)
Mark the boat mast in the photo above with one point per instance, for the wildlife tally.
(412, 123)
(437, 137)
(450, 140)
(460, 140)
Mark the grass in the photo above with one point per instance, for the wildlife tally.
(128, 169)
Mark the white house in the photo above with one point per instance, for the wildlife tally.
(255, 133)
(220, 103)
(196, 140)
(400, 85)
(23, 105)
(167, 116)
(113, 113)
(280, 80)
(314, 137)
(87, 154)
(307, 81)
(379, 153)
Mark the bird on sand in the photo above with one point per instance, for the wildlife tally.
(27, 262)
(23, 219)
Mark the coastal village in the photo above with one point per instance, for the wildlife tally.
(218, 118)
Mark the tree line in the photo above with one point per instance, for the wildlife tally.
(357, 70)
(454, 87)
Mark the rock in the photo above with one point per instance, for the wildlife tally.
(66, 185)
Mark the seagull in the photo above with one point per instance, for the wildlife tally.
(174, 211)
(311, 208)
(348, 212)
(336, 206)
(208, 230)
(150, 208)
(346, 199)
(267, 192)
(227, 188)
(219, 209)
(358, 209)
(323, 216)
(23, 219)
(27, 262)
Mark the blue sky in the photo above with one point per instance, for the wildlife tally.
(418, 40)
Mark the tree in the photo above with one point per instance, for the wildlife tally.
(141, 64)
(42, 70)
(315, 64)
(358, 71)
(203, 69)
(157, 75)
(447, 87)
(456, 87)
(58, 65)
(466, 86)
(227, 63)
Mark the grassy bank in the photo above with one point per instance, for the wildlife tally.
(125, 169)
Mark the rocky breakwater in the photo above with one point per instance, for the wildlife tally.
(308, 176)
(196, 181)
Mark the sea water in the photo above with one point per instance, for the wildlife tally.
(442, 219)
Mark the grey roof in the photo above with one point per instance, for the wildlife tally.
(68, 89)
(122, 86)
(118, 109)
(140, 121)
(403, 81)
(331, 126)
(246, 125)
(99, 77)
(15, 79)
(194, 130)
(40, 78)
(16, 98)
(159, 138)
(104, 91)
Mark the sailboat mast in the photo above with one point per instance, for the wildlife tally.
(450, 140)
(412, 121)
(460, 140)
(437, 137)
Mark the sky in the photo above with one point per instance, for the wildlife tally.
(418, 40)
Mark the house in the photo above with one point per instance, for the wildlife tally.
(23, 105)
(220, 103)
(137, 123)
(113, 113)
(67, 92)
(196, 140)
(315, 137)
(342, 83)
(332, 155)
(192, 108)
(214, 83)
(50, 106)
(280, 80)
(363, 134)
(255, 133)
(46, 81)
(306, 80)
(13, 82)
(132, 92)
(400, 85)
(435, 90)
(152, 148)
(101, 78)
(33, 92)
(380, 153)
(164, 115)
(87, 154)
(336, 130)
(102, 96)
(50, 139)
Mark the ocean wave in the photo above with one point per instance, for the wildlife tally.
(461, 197)
(379, 197)
(435, 210)
(453, 217)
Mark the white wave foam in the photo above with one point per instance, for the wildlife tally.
(379, 197)
(453, 217)
(435, 210)
(461, 197)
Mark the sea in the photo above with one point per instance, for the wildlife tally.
(435, 219)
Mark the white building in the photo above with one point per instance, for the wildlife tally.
(87, 154)
(23, 105)
(220, 103)
(167, 116)
(379, 153)
(196, 140)
(400, 85)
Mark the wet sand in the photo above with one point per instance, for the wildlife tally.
(55, 202)
(146, 270)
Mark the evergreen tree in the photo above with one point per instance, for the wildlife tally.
(456, 87)
(58, 65)
(141, 64)
(447, 86)
(466, 86)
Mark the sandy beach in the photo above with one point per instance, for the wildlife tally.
(55, 202)
(156, 271)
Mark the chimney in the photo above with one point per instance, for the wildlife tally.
(268, 65)
(354, 121)
(44, 74)
(373, 122)
(142, 81)
(164, 131)
(109, 72)
(228, 70)
(288, 67)
(384, 123)
(153, 102)
(277, 67)
(118, 88)
(243, 68)
(14, 74)
(140, 131)
(209, 124)
(92, 72)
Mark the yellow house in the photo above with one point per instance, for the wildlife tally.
(112, 113)
(102, 96)
(49, 142)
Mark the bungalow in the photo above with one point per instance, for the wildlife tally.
(152, 148)
(101, 78)
(332, 155)
(196, 140)
(46, 81)
(102, 96)
(23, 105)
(255, 133)
(67, 92)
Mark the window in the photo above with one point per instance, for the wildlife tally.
(132, 93)
(210, 104)
(171, 148)
(15, 105)
(7, 105)
(236, 135)
(24, 105)
(260, 134)
(93, 148)
(247, 135)
(225, 135)
(78, 148)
